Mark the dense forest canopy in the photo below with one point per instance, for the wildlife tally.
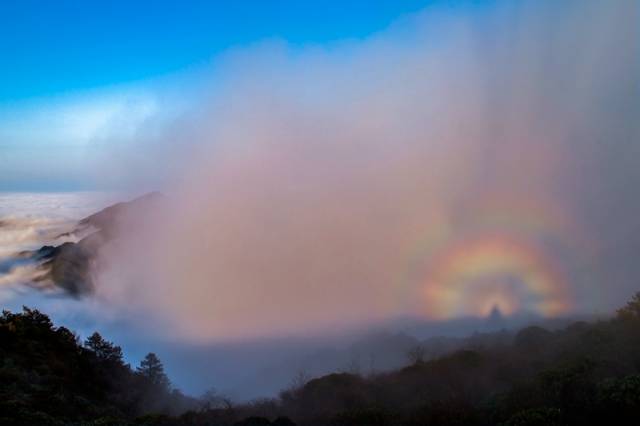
(586, 373)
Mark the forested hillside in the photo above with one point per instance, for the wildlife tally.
(586, 373)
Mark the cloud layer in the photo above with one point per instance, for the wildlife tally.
(315, 186)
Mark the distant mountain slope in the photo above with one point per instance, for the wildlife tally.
(69, 265)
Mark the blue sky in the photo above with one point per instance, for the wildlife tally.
(69, 67)
(52, 47)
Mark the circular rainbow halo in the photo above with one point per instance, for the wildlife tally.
(476, 275)
(500, 253)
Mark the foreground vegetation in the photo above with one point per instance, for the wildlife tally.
(586, 373)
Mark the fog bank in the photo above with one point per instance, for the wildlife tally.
(465, 158)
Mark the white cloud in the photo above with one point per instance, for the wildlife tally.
(74, 119)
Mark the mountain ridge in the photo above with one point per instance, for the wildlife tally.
(68, 266)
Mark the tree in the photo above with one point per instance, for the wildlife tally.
(151, 368)
(103, 349)
(212, 399)
(417, 355)
(543, 416)
(300, 379)
(632, 310)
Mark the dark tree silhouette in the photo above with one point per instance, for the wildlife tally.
(103, 349)
(417, 354)
(151, 368)
(632, 310)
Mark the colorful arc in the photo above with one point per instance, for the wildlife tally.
(457, 269)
